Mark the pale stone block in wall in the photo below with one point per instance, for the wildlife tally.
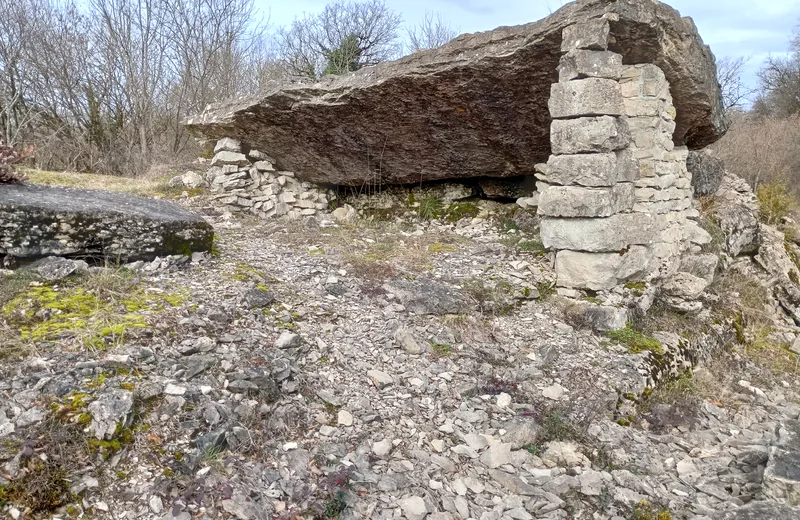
(643, 107)
(600, 271)
(659, 183)
(591, 35)
(662, 206)
(608, 234)
(585, 97)
(579, 63)
(227, 144)
(579, 201)
(597, 169)
(229, 158)
(264, 166)
(644, 80)
(589, 135)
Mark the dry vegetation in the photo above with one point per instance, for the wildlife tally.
(763, 150)
(376, 250)
(144, 186)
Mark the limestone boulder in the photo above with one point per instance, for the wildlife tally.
(761, 510)
(736, 212)
(37, 221)
(741, 228)
(707, 172)
(475, 107)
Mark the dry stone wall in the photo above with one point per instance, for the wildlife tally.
(250, 182)
(615, 196)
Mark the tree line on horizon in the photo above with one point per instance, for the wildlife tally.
(104, 85)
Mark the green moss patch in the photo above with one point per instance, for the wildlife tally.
(98, 311)
(636, 341)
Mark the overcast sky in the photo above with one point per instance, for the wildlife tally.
(750, 28)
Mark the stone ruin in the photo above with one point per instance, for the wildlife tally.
(250, 182)
(601, 102)
(615, 196)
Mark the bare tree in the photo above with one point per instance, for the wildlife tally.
(735, 93)
(433, 32)
(344, 36)
(780, 83)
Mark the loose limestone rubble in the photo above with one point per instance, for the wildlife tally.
(312, 399)
(38, 221)
(478, 106)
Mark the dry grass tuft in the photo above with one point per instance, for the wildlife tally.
(376, 250)
(140, 186)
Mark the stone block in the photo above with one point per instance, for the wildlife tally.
(600, 318)
(229, 158)
(600, 271)
(585, 97)
(643, 107)
(579, 63)
(609, 234)
(601, 169)
(589, 135)
(578, 201)
(592, 34)
(264, 166)
(685, 286)
(227, 144)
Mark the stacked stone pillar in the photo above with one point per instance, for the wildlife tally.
(664, 186)
(587, 189)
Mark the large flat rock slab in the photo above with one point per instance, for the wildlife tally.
(477, 106)
(36, 221)
(761, 511)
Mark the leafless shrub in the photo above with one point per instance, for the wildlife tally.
(734, 92)
(103, 86)
(9, 158)
(779, 79)
(344, 36)
(762, 149)
(433, 32)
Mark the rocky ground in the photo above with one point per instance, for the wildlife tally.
(401, 369)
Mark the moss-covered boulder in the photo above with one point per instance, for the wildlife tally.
(37, 221)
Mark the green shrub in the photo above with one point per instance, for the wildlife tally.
(775, 202)
(430, 207)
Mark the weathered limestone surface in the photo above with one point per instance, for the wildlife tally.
(604, 169)
(609, 234)
(42, 220)
(761, 510)
(578, 201)
(477, 106)
(782, 474)
(586, 97)
(600, 271)
(589, 135)
(582, 63)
